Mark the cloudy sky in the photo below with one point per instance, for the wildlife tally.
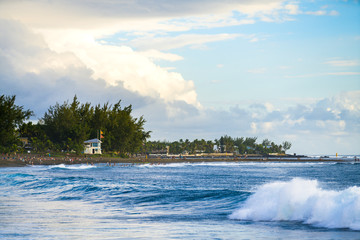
(276, 69)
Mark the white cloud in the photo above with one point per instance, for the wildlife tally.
(135, 71)
(293, 9)
(323, 12)
(167, 43)
(343, 73)
(324, 74)
(312, 128)
(132, 14)
(70, 55)
(157, 55)
(343, 63)
(317, 13)
(334, 13)
(267, 127)
(116, 72)
(269, 107)
(331, 123)
(284, 67)
(257, 70)
(77, 36)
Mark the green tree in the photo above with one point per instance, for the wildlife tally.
(122, 132)
(250, 144)
(139, 135)
(286, 146)
(239, 143)
(209, 147)
(99, 119)
(11, 118)
(227, 144)
(35, 133)
(68, 125)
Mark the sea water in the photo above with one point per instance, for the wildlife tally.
(181, 201)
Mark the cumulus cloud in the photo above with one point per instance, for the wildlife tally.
(61, 48)
(329, 123)
(335, 120)
(157, 55)
(72, 31)
(159, 15)
(104, 19)
(167, 43)
(41, 76)
(116, 65)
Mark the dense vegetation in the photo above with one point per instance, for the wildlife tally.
(224, 144)
(11, 118)
(65, 127)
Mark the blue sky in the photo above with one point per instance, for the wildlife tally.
(276, 69)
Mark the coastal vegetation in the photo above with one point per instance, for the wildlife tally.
(11, 118)
(65, 127)
(224, 144)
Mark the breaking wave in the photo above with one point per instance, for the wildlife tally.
(73, 167)
(303, 200)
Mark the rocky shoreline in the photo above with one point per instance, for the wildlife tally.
(25, 160)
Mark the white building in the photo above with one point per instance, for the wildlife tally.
(92, 146)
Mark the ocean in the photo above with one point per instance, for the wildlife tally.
(182, 201)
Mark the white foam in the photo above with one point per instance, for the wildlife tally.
(231, 164)
(303, 200)
(193, 164)
(75, 167)
(286, 164)
(215, 164)
(148, 165)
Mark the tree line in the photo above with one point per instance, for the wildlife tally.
(65, 127)
(224, 144)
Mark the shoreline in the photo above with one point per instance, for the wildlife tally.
(22, 161)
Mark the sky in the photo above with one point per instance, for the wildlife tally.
(200, 69)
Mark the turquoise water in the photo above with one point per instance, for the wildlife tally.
(181, 201)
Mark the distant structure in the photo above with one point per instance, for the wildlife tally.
(92, 146)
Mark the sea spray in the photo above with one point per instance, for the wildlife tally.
(303, 200)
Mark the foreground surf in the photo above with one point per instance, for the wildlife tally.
(303, 200)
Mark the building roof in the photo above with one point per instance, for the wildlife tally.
(95, 140)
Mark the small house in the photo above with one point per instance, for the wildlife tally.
(92, 146)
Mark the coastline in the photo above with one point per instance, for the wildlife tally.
(24, 160)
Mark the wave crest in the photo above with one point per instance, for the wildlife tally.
(73, 167)
(303, 200)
